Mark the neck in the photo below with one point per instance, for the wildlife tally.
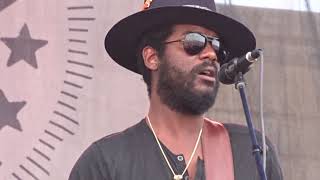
(167, 122)
(178, 132)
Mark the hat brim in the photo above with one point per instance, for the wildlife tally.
(122, 40)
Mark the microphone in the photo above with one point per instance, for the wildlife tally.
(230, 70)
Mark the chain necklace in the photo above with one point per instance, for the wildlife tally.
(175, 176)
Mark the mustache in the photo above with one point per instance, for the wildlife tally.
(206, 63)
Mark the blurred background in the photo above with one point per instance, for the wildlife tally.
(60, 91)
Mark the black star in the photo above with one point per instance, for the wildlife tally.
(9, 111)
(23, 47)
(5, 3)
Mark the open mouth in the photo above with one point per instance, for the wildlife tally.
(207, 74)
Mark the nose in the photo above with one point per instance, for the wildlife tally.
(208, 53)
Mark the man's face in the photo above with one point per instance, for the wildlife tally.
(187, 83)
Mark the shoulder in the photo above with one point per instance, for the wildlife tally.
(240, 136)
(121, 139)
(237, 128)
(98, 160)
(238, 132)
(116, 145)
(242, 151)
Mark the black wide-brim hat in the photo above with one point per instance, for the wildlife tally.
(122, 40)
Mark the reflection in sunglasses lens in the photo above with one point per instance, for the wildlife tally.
(194, 43)
(215, 44)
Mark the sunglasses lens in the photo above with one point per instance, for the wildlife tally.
(194, 43)
(215, 44)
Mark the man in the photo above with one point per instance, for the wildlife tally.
(177, 46)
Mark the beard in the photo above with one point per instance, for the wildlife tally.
(176, 89)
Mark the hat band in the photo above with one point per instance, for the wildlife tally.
(197, 6)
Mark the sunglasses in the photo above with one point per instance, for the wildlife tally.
(194, 43)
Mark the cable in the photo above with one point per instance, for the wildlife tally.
(264, 146)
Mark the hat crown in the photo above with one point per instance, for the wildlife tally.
(201, 4)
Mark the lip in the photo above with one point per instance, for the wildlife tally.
(207, 78)
(208, 74)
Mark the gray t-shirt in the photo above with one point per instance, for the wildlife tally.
(133, 154)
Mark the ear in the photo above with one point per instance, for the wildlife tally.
(150, 58)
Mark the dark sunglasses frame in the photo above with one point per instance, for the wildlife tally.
(193, 48)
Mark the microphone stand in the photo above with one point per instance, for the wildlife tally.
(256, 149)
